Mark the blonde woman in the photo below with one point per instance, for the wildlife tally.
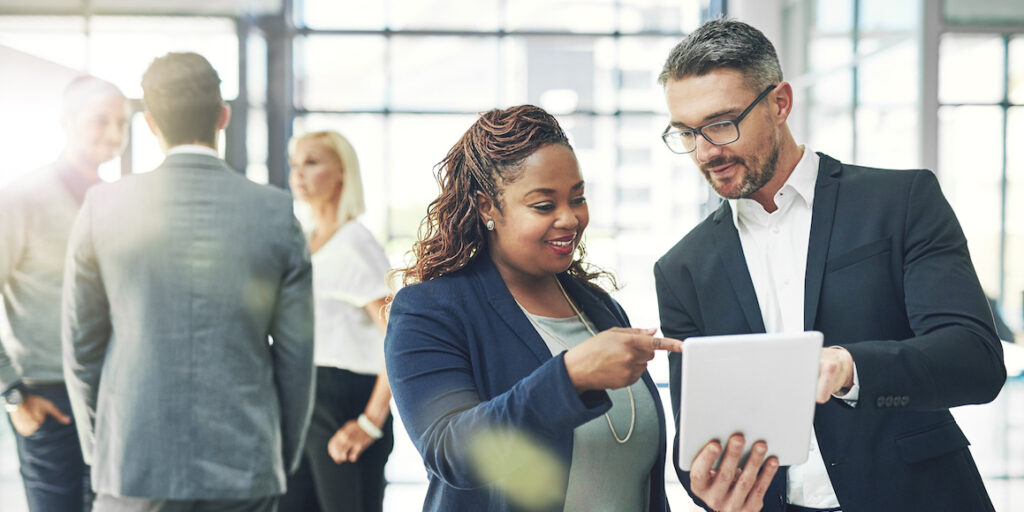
(350, 436)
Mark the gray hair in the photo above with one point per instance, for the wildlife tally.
(724, 44)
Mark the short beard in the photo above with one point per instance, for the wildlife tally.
(757, 175)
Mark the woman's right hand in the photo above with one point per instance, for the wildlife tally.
(614, 358)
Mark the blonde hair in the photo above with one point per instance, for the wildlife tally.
(351, 203)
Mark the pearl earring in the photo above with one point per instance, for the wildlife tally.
(490, 225)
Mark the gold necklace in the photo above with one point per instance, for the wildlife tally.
(629, 389)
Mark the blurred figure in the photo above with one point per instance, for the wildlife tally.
(36, 215)
(516, 375)
(175, 281)
(350, 436)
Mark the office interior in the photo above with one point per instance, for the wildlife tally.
(937, 84)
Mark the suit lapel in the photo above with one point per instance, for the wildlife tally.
(730, 251)
(826, 189)
(507, 309)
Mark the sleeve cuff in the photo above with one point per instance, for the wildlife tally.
(853, 394)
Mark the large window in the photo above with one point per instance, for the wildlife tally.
(404, 82)
(981, 115)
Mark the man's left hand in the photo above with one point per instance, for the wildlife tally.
(348, 442)
(835, 373)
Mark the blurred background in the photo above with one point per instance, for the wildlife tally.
(893, 83)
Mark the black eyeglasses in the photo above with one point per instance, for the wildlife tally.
(719, 133)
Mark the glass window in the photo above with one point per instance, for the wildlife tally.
(416, 144)
(886, 15)
(887, 137)
(256, 141)
(457, 14)
(444, 73)
(970, 69)
(121, 47)
(659, 15)
(1016, 91)
(577, 16)
(640, 62)
(1014, 286)
(563, 74)
(971, 180)
(339, 14)
(58, 39)
(146, 152)
(256, 69)
(340, 72)
(833, 17)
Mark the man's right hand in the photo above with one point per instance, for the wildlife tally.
(33, 412)
(729, 488)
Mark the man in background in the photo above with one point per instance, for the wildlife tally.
(176, 281)
(36, 215)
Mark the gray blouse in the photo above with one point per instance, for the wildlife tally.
(606, 475)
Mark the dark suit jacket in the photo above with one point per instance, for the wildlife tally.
(175, 281)
(466, 364)
(888, 278)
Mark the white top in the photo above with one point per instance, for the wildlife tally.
(349, 272)
(775, 248)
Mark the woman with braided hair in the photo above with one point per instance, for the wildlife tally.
(516, 375)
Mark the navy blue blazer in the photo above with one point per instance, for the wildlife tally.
(888, 278)
(463, 359)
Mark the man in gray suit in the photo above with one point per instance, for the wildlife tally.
(174, 281)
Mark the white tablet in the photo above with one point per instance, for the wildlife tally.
(760, 385)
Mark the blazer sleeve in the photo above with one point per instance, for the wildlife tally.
(955, 357)
(85, 327)
(292, 329)
(465, 441)
(12, 243)
(678, 323)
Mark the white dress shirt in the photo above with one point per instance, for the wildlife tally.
(775, 248)
(193, 149)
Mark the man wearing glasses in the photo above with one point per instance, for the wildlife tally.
(873, 259)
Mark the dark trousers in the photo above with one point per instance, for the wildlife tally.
(55, 477)
(320, 483)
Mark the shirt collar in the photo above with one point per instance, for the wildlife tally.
(75, 182)
(801, 180)
(193, 149)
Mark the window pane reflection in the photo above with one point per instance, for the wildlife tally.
(458, 14)
(970, 69)
(339, 72)
(341, 14)
(417, 143)
(658, 15)
(971, 181)
(561, 74)
(58, 39)
(444, 73)
(1016, 92)
(1014, 220)
(577, 16)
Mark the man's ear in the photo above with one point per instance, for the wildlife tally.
(225, 116)
(782, 103)
(485, 208)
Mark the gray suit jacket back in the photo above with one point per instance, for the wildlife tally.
(174, 281)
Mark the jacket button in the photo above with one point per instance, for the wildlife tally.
(880, 402)
(905, 400)
(888, 401)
